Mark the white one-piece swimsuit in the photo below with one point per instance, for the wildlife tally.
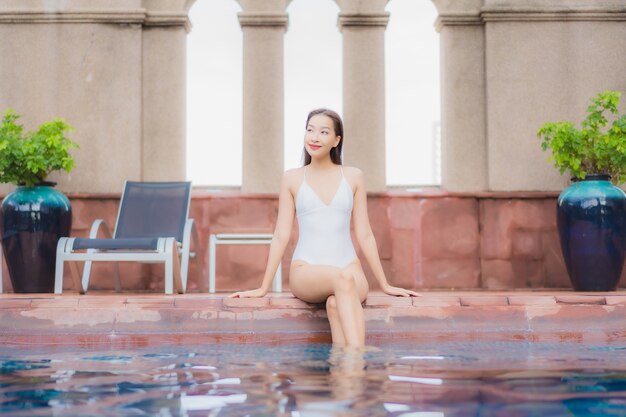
(324, 237)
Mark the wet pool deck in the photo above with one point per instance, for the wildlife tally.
(128, 319)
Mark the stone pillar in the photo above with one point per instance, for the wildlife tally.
(463, 98)
(164, 93)
(362, 24)
(264, 23)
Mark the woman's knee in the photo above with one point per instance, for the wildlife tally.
(331, 304)
(345, 281)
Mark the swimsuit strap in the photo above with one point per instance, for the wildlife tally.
(340, 166)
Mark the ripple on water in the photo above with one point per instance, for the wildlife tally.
(408, 379)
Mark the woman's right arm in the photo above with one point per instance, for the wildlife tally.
(282, 234)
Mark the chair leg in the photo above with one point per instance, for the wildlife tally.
(198, 274)
(190, 239)
(183, 260)
(58, 270)
(168, 247)
(196, 259)
(86, 274)
(168, 272)
(75, 273)
(58, 278)
(178, 281)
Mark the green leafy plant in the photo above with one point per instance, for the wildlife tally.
(26, 158)
(591, 149)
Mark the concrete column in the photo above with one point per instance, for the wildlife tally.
(362, 24)
(463, 98)
(264, 23)
(164, 52)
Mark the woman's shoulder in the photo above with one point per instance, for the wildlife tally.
(353, 172)
(293, 175)
(354, 176)
(293, 172)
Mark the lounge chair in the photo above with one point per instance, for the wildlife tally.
(152, 226)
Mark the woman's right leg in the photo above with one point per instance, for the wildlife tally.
(316, 283)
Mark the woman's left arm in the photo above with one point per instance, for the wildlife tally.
(367, 241)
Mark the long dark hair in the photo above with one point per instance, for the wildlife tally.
(335, 153)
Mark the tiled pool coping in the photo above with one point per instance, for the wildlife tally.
(140, 318)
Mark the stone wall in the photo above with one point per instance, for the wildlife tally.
(434, 240)
(115, 70)
(507, 67)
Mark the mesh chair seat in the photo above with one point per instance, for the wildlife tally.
(113, 244)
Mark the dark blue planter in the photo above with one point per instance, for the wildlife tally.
(33, 220)
(591, 218)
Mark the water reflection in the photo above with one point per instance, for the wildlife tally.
(411, 380)
(345, 385)
(209, 402)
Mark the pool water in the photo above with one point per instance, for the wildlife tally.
(404, 379)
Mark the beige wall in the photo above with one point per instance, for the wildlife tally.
(538, 72)
(73, 71)
(115, 70)
(541, 61)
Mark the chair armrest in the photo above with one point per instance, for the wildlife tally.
(95, 227)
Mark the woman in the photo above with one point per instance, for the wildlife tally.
(324, 195)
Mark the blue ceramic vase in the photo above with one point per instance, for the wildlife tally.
(591, 218)
(32, 221)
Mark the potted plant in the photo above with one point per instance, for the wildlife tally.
(34, 216)
(591, 212)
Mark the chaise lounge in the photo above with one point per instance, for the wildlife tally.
(152, 226)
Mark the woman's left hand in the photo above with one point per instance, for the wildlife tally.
(401, 292)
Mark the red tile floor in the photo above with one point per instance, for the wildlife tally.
(128, 319)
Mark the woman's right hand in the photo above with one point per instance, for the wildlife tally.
(259, 292)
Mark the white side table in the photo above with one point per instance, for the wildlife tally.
(240, 239)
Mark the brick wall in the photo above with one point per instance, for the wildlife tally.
(426, 240)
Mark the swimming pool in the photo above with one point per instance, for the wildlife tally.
(404, 379)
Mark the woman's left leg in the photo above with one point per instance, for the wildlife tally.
(348, 288)
(352, 290)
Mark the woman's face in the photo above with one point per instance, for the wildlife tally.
(320, 136)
